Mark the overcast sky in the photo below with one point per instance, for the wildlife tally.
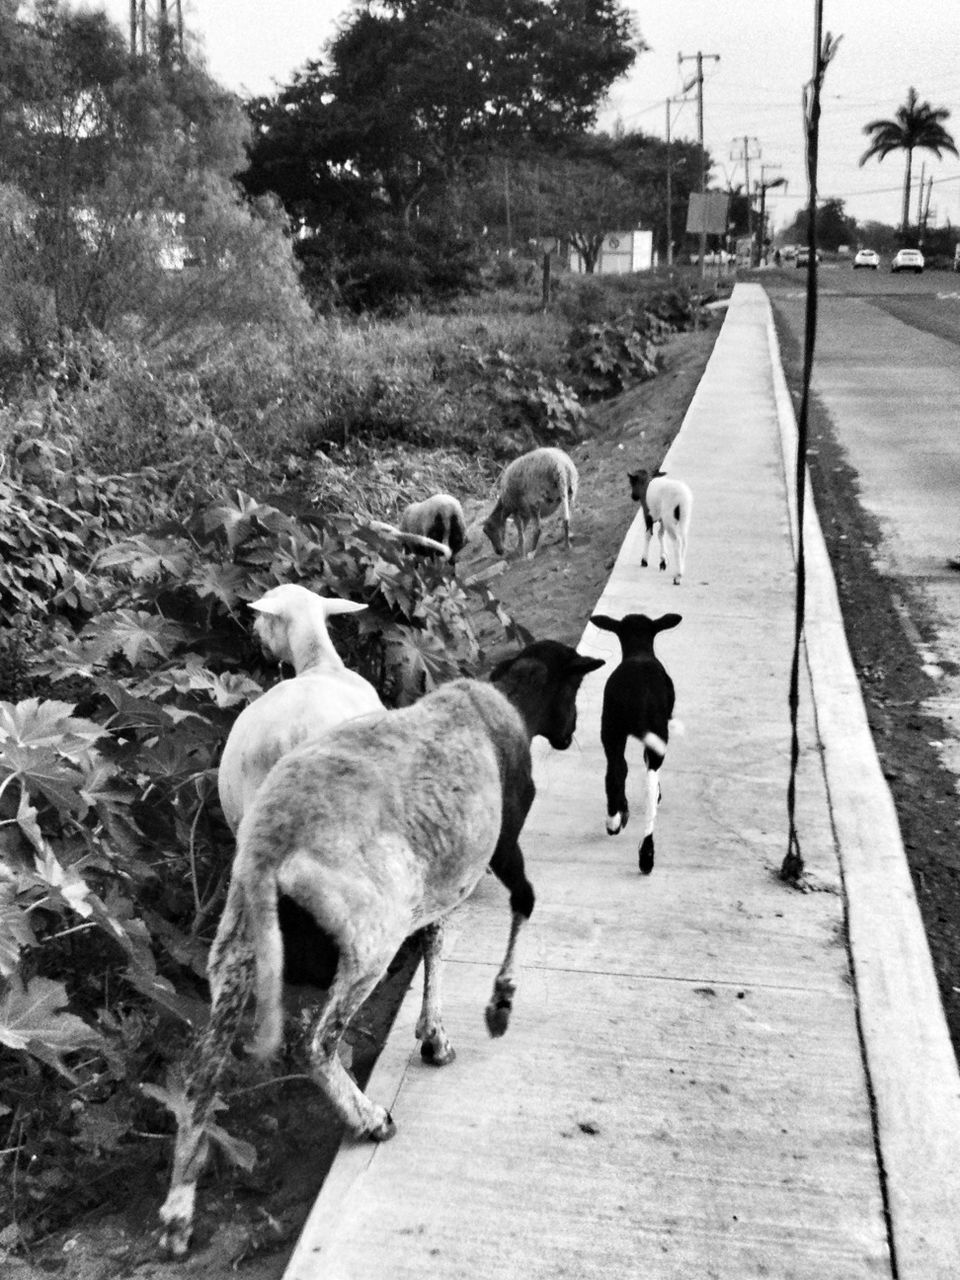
(766, 54)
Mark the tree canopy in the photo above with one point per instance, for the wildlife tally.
(108, 163)
(413, 91)
(915, 125)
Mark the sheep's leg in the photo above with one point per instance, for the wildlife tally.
(646, 852)
(674, 541)
(351, 986)
(535, 536)
(680, 536)
(435, 1048)
(663, 557)
(648, 534)
(521, 536)
(618, 811)
(507, 866)
(230, 971)
(566, 517)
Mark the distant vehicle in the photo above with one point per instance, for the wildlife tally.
(788, 251)
(907, 260)
(803, 256)
(867, 258)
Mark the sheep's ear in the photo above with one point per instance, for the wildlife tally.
(266, 605)
(606, 624)
(667, 621)
(333, 606)
(582, 666)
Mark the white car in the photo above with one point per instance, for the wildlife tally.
(907, 260)
(867, 258)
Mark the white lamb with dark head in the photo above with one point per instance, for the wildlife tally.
(531, 487)
(375, 830)
(668, 503)
(292, 627)
(439, 517)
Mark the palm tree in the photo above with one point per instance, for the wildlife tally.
(916, 124)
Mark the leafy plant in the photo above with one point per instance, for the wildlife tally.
(533, 407)
(606, 357)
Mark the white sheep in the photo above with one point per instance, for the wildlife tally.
(439, 517)
(292, 627)
(533, 485)
(375, 830)
(668, 503)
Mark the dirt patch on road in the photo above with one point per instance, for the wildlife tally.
(895, 688)
(250, 1221)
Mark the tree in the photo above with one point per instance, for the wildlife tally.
(593, 184)
(834, 227)
(415, 90)
(112, 165)
(916, 124)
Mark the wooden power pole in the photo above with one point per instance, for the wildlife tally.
(698, 81)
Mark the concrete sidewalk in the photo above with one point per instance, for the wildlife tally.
(708, 1074)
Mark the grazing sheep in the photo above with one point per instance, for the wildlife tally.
(440, 518)
(666, 502)
(292, 627)
(533, 485)
(637, 703)
(377, 829)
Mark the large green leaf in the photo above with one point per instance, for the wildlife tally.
(33, 1019)
(49, 723)
(15, 930)
(41, 772)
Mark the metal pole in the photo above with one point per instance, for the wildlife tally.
(698, 78)
(669, 192)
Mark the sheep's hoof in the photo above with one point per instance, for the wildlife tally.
(437, 1055)
(617, 821)
(663, 566)
(382, 1132)
(646, 856)
(175, 1239)
(676, 580)
(643, 563)
(498, 1018)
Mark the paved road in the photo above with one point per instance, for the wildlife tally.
(887, 370)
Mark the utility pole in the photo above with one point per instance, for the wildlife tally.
(697, 80)
(745, 156)
(138, 26)
(670, 101)
(763, 186)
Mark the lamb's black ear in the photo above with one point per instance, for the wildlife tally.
(501, 669)
(582, 666)
(604, 623)
(667, 621)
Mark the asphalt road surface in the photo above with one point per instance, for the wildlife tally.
(887, 372)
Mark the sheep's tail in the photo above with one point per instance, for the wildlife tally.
(409, 539)
(683, 510)
(263, 925)
(655, 743)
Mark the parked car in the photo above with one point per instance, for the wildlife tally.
(788, 251)
(803, 257)
(907, 260)
(866, 258)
